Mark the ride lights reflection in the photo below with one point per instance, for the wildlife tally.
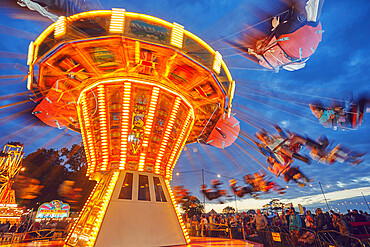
(178, 214)
(80, 214)
(103, 209)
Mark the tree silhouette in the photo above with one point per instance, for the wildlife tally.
(192, 206)
(228, 210)
(51, 167)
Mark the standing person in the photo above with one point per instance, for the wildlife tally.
(283, 219)
(195, 226)
(204, 226)
(277, 220)
(342, 226)
(329, 221)
(211, 222)
(309, 220)
(188, 226)
(246, 220)
(261, 223)
(233, 226)
(321, 223)
(357, 217)
(348, 216)
(295, 223)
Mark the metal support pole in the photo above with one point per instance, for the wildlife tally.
(365, 200)
(324, 197)
(204, 196)
(236, 206)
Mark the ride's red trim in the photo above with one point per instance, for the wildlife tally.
(306, 37)
(355, 224)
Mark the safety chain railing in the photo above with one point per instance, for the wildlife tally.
(39, 235)
(282, 236)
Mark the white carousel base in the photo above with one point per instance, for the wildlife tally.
(132, 222)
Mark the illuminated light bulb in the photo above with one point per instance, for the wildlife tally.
(178, 214)
(177, 35)
(117, 21)
(60, 27)
(30, 53)
(125, 123)
(137, 52)
(217, 62)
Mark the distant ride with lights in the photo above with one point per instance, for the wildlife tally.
(138, 89)
(11, 156)
(54, 209)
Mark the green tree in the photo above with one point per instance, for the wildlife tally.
(228, 210)
(51, 167)
(192, 206)
(75, 162)
(273, 206)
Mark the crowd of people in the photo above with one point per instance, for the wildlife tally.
(27, 226)
(253, 225)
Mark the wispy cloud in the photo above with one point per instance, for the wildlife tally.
(303, 200)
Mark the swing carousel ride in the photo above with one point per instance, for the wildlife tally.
(140, 90)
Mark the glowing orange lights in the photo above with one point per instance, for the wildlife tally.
(116, 25)
(217, 62)
(117, 21)
(10, 164)
(30, 53)
(103, 127)
(124, 123)
(166, 135)
(137, 52)
(89, 144)
(132, 115)
(88, 158)
(94, 115)
(180, 140)
(85, 230)
(103, 208)
(151, 112)
(60, 27)
(81, 212)
(148, 126)
(178, 214)
(177, 35)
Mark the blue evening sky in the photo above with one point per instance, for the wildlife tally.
(338, 70)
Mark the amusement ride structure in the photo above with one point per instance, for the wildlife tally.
(11, 156)
(138, 89)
